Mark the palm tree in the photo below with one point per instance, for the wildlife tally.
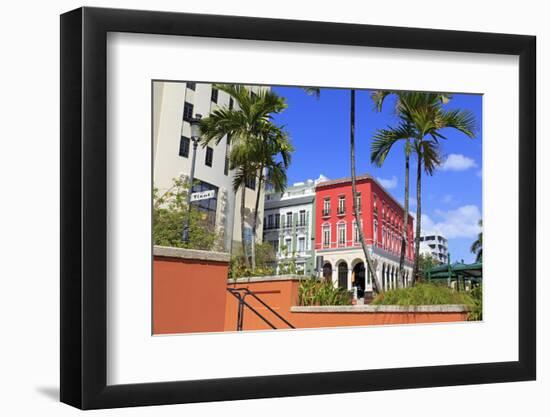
(382, 143)
(421, 119)
(256, 143)
(477, 246)
(425, 113)
(378, 288)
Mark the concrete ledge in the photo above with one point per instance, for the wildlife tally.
(191, 254)
(266, 278)
(443, 308)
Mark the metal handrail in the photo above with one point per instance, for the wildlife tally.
(236, 292)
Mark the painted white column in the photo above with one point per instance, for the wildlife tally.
(334, 276)
(349, 277)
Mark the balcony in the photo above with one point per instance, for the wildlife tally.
(341, 212)
(326, 213)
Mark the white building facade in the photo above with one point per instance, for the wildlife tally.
(436, 246)
(289, 225)
(174, 104)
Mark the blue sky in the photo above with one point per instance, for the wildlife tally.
(451, 199)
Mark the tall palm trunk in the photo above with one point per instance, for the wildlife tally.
(377, 286)
(404, 240)
(418, 215)
(255, 220)
(243, 234)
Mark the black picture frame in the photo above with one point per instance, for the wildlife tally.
(84, 207)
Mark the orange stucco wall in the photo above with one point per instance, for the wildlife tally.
(188, 295)
(312, 320)
(282, 295)
(279, 295)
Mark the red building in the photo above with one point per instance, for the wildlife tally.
(337, 238)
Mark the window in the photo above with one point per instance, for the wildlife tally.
(277, 221)
(209, 205)
(375, 231)
(226, 159)
(184, 146)
(275, 245)
(214, 95)
(301, 244)
(251, 183)
(226, 165)
(191, 85)
(231, 103)
(302, 217)
(289, 219)
(341, 234)
(341, 204)
(209, 156)
(358, 202)
(326, 236)
(270, 221)
(187, 111)
(288, 244)
(326, 207)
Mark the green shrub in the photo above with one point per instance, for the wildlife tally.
(476, 309)
(431, 294)
(315, 292)
(170, 213)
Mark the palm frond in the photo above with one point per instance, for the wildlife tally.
(384, 139)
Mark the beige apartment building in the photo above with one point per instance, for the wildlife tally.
(174, 104)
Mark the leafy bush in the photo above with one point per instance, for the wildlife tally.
(265, 257)
(315, 292)
(170, 213)
(422, 294)
(476, 309)
(431, 294)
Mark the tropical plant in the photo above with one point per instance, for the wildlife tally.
(422, 115)
(316, 292)
(476, 308)
(265, 261)
(260, 149)
(477, 246)
(425, 263)
(170, 213)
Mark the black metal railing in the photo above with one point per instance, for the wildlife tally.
(240, 294)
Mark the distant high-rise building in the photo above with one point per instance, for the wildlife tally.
(435, 245)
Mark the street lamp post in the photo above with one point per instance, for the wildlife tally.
(195, 136)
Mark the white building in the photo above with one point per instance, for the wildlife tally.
(435, 245)
(174, 104)
(289, 225)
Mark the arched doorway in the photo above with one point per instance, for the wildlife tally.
(327, 271)
(359, 279)
(343, 275)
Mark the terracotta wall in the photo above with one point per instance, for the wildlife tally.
(313, 320)
(280, 295)
(189, 294)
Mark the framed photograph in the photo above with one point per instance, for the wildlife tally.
(257, 208)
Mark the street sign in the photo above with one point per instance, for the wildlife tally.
(203, 195)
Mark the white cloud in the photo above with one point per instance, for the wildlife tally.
(459, 223)
(447, 199)
(388, 183)
(457, 162)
